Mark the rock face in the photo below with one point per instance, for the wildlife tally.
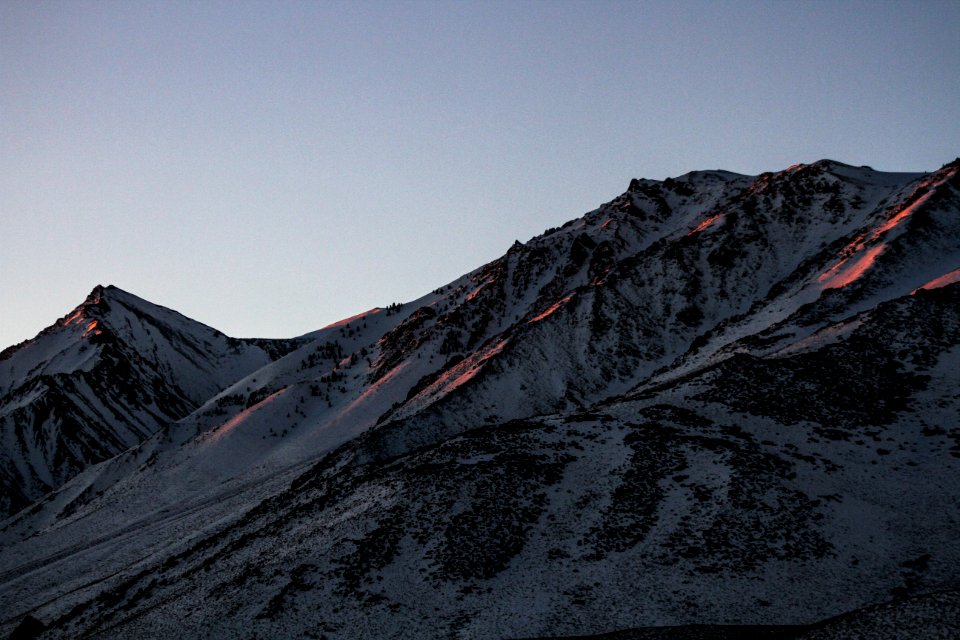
(102, 379)
(716, 400)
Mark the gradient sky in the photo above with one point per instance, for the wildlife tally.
(268, 168)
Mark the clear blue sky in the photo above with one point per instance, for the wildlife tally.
(268, 168)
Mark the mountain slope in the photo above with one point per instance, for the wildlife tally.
(717, 399)
(102, 379)
(668, 508)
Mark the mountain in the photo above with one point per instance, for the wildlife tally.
(102, 379)
(716, 403)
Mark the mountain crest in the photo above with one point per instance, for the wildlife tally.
(87, 310)
(733, 385)
(101, 379)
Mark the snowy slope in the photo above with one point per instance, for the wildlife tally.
(102, 379)
(666, 509)
(716, 399)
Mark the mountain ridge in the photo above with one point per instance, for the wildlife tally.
(101, 379)
(693, 385)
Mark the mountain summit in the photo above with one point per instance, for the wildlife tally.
(715, 400)
(103, 378)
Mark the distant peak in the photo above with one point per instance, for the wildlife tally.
(814, 167)
(826, 163)
(709, 174)
(97, 301)
(97, 293)
(112, 292)
(637, 184)
(694, 177)
(100, 292)
(92, 302)
(102, 289)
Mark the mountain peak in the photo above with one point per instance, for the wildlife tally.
(636, 184)
(92, 306)
(701, 383)
(111, 292)
(827, 163)
(146, 364)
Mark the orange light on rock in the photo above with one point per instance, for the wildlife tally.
(464, 371)
(841, 278)
(556, 305)
(703, 225)
(77, 315)
(927, 186)
(940, 281)
(477, 291)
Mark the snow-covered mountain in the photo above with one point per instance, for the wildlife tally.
(715, 400)
(103, 378)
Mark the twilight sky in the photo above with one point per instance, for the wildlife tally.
(268, 168)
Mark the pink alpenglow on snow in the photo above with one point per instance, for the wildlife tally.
(838, 277)
(237, 420)
(706, 223)
(908, 210)
(940, 281)
(466, 370)
(556, 305)
(77, 315)
(476, 292)
(359, 316)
